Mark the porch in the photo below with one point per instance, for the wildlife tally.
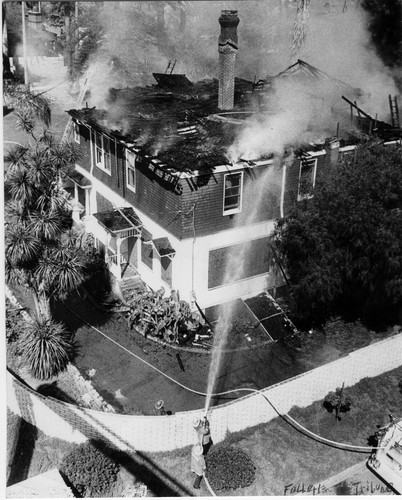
(116, 234)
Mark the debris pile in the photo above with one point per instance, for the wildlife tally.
(167, 318)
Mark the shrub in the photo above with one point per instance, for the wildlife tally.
(47, 348)
(90, 469)
(229, 468)
(14, 324)
(338, 401)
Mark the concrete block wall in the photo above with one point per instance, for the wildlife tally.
(152, 433)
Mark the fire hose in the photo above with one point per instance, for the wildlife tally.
(285, 416)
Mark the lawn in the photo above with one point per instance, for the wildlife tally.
(30, 451)
(131, 386)
(282, 455)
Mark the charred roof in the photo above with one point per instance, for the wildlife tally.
(177, 122)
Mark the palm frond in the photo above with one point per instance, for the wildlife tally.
(46, 226)
(40, 167)
(47, 348)
(20, 186)
(64, 156)
(69, 275)
(24, 100)
(25, 120)
(21, 248)
(16, 214)
(47, 139)
(15, 155)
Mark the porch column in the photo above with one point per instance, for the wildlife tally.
(108, 238)
(118, 245)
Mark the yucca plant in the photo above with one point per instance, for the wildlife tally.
(37, 223)
(47, 348)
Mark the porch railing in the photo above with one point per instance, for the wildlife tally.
(113, 259)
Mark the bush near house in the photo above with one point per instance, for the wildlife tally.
(229, 468)
(343, 248)
(90, 469)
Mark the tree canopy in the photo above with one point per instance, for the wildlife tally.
(342, 249)
(40, 250)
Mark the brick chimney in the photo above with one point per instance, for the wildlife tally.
(227, 47)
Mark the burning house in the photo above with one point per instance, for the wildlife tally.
(163, 190)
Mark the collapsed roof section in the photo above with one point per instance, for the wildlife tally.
(176, 121)
(307, 74)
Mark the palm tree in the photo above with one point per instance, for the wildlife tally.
(26, 103)
(47, 348)
(38, 221)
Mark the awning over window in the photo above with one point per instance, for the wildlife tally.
(79, 179)
(163, 247)
(118, 220)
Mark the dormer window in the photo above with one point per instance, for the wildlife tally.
(102, 152)
(232, 193)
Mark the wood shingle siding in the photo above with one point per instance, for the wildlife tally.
(208, 201)
(160, 204)
(84, 148)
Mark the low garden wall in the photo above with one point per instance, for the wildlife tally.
(161, 433)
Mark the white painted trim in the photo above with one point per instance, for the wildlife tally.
(91, 144)
(347, 148)
(316, 153)
(236, 282)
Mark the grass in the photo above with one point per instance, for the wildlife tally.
(30, 451)
(283, 455)
(118, 373)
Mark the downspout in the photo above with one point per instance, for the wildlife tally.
(92, 152)
(193, 252)
(116, 162)
(283, 191)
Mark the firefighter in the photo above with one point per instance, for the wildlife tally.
(198, 465)
(202, 429)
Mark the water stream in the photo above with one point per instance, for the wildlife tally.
(254, 196)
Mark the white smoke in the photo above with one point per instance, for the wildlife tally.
(255, 195)
(337, 42)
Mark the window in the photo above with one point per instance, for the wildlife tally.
(76, 132)
(307, 175)
(147, 251)
(130, 169)
(102, 152)
(255, 262)
(232, 194)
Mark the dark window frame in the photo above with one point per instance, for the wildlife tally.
(309, 165)
(131, 170)
(232, 194)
